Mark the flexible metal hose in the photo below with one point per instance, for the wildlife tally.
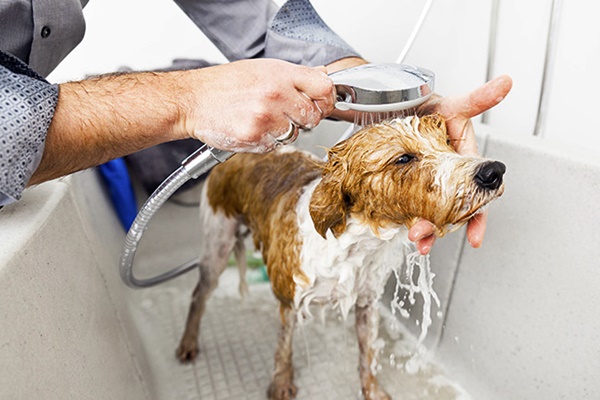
(195, 165)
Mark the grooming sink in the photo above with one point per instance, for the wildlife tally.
(518, 317)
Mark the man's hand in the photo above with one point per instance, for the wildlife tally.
(458, 112)
(339, 65)
(243, 106)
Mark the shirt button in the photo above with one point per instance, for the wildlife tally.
(45, 32)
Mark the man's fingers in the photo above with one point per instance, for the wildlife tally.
(479, 100)
(462, 136)
(476, 229)
(305, 112)
(424, 245)
(315, 84)
(420, 230)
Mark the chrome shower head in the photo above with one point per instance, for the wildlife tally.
(382, 87)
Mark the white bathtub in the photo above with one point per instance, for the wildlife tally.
(520, 316)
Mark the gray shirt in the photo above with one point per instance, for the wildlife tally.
(41, 33)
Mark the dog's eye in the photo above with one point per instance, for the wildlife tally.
(405, 159)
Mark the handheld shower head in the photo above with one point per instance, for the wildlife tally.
(372, 88)
(382, 87)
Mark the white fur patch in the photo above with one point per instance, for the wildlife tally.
(351, 269)
(445, 171)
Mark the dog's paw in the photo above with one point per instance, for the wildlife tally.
(187, 351)
(282, 391)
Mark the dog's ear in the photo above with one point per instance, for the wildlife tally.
(328, 204)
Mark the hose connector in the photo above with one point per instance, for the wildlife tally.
(203, 160)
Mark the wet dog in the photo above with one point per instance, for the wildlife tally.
(324, 227)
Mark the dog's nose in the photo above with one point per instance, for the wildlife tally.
(489, 175)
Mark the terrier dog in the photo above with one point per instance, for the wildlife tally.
(324, 227)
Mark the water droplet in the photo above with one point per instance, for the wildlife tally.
(392, 360)
(411, 366)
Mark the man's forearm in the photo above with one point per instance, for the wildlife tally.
(103, 118)
(240, 106)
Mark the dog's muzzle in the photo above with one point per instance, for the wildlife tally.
(489, 175)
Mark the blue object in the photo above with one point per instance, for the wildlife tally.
(121, 192)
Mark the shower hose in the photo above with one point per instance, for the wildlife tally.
(199, 162)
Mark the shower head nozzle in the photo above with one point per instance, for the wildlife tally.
(382, 87)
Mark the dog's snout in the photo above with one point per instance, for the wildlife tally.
(489, 175)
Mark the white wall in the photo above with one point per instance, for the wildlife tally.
(454, 42)
(140, 34)
(520, 53)
(575, 82)
(454, 48)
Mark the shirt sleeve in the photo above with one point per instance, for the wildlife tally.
(27, 104)
(244, 29)
(299, 35)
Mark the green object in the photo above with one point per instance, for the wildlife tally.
(257, 271)
(258, 275)
(253, 259)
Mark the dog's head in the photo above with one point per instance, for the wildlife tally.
(397, 172)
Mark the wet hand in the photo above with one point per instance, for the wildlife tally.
(246, 105)
(458, 112)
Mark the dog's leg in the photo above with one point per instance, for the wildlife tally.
(188, 346)
(282, 384)
(218, 243)
(367, 327)
(240, 256)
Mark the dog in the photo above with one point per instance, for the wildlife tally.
(323, 227)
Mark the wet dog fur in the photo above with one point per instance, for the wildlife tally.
(324, 226)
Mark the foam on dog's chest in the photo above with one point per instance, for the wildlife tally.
(342, 271)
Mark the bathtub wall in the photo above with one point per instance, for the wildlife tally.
(65, 328)
(524, 309)
(521, 313)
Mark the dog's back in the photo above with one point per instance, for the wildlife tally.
(261, 191)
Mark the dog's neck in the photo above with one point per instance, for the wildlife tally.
(349, 269)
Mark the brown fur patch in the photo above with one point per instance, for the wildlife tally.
(262, 190)
(364, 177)
(386, 175)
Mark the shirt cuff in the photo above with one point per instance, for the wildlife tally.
(297, 34)
(27, 104)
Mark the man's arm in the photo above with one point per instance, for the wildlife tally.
(243, 29)
(107, 117)
(241, 106)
